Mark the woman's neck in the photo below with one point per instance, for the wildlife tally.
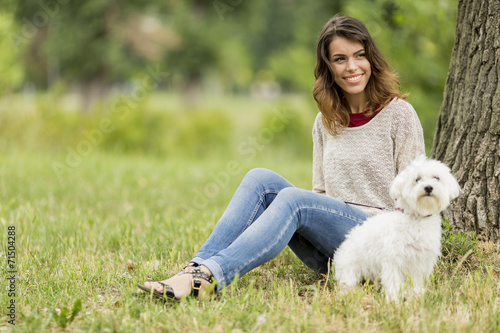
(357, 104)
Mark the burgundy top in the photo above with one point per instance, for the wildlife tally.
(359, 119)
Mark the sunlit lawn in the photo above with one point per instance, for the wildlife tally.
(90, 233)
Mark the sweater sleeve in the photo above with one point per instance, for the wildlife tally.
(409, 137)
(318, 175)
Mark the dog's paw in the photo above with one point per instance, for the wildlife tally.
(344, 289)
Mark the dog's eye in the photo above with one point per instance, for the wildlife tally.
(436, 178)
(417, 179)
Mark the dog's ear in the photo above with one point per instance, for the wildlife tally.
(453, 186)
(448, 179)
(396, 189)
(419, 160)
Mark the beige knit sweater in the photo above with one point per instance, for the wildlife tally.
(359, 164)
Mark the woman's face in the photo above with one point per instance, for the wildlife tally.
(351, 68)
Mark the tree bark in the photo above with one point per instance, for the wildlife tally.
(468, 129)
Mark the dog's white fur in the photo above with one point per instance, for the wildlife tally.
(399, 249)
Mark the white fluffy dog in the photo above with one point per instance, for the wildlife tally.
(400, 248)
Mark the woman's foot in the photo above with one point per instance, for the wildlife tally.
(192, 280)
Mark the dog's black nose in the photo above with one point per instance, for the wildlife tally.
(428, 189)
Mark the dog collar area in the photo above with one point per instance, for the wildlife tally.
(397, 209)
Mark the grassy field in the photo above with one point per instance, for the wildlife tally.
(89, 226)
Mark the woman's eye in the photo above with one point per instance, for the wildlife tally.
(362, 55)
(338, 59)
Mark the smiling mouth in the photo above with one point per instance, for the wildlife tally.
(354, 79)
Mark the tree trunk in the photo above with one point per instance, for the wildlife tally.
(468, 129)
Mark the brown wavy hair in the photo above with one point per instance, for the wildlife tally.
(382, 86)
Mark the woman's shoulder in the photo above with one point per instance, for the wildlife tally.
(402, 117)
(400, 110)
(400, 105)
(318, 122)
(318, 119)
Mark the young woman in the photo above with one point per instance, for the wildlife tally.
(364, 135)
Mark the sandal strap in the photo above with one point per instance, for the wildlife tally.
(198, 275)
(167, 290)
(183, 271)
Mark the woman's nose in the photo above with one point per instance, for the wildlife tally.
(351, 65)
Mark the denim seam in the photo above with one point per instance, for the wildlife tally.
(259, 203)
(248, 223)
(280, 235)
(333, 211)
(223, 282)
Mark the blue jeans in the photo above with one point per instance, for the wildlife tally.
(266, 214)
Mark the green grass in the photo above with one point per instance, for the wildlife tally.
(127, 213)
(118, 220)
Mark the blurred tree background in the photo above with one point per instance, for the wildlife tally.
(98, 51)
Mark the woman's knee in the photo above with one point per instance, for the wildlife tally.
(261, 174)
(267, 178)
(265, 182)
(291, 195)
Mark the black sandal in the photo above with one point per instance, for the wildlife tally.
(168, 292)
(196, 282)
(183, 270)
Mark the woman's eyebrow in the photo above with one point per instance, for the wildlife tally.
(339, 54)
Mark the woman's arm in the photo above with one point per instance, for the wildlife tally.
(409, 138)
(318, 176)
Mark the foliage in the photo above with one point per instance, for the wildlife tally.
(65, 316)
(74, 41)
(217, 47)
(161, 126)
(294, 137)
(456, 244)
(10, 67)
(236, 40)
(416, 38)
(405, 31)
(137, 130)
